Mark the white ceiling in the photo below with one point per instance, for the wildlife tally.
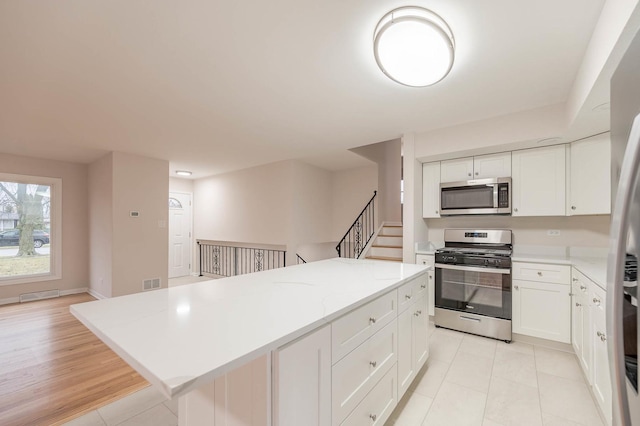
(218, 85)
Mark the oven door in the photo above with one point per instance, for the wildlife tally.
(482, 291)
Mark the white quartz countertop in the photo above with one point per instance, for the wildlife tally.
(182, 337)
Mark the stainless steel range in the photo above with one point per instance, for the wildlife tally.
(473, 282)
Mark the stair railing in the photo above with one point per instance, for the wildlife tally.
(300, 259)
(231, 258)
(359, 234)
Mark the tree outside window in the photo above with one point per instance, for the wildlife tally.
(26, 244)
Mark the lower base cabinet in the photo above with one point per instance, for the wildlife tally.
(541, 297)
(601, 376)
(309, 383)
(301, 391)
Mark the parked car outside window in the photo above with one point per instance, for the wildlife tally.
(12, 238)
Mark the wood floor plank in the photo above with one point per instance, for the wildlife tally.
(52, 368)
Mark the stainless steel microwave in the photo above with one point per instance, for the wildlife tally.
(479, 196)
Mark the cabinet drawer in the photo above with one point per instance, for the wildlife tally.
(542, 272)
(411, 291)
(351, 330)
(597, 300)
(378, 405)
(580, 284)
(425, 259)
(357, 373)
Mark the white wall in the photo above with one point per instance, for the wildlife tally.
(576, 231)
(181, 185)
(351, 190)
(504, 133)
(75, 227)
(101, 225)
(387, 155)
(140, 245)
(127, 250)
(287, 203)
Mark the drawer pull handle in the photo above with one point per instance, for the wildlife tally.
(539, 273)
(603, 338)
(373, 417)
(516, 287)
(578, 304)
(423, 286)
(574, 280)
(599, 334)
(596, 301)
(582, 287)
(373, 363)
(407, 296)
(372, 320)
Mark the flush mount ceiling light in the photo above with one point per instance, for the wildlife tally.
(183, 173)
(413, 46)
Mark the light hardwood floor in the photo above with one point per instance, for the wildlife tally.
(52, 368)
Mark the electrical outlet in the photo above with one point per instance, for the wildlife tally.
(553, 232)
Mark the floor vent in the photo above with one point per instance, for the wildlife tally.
(151, 284)
(39, 295)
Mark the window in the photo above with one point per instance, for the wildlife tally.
(30, 225)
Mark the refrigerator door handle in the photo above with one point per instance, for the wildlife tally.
(615, 274)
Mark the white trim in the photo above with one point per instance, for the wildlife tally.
(191, 236)
(10, 300)
(55, 229)
(95, 294)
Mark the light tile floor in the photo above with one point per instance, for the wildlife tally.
(467, 381)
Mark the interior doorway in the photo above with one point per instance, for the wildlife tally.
(179, 234)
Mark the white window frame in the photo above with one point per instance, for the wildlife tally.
(55, 228)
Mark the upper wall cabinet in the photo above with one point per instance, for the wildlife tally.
(539, 181)
(590, 177)
(431, 190)
(479, 167)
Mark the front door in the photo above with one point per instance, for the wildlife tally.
(179, 234)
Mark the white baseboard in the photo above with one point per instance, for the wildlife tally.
(10, 300)
(96, 294)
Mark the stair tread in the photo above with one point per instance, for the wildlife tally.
(385, 246)
(392, 226)
(395, 259)
(387, 235)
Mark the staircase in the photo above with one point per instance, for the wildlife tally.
(388, 244)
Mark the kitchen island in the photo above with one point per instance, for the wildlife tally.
(226, 346)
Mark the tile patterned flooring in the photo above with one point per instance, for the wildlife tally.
(467, 381)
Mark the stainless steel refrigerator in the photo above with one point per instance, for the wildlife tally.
(622, 283)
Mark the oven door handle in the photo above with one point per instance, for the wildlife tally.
(474, 269)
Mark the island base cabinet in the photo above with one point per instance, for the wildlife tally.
(301, 381)
(239, 398)
(378, 405)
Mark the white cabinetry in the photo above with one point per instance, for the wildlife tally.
(429, 260)
(601, 376)
(541, 301)
(412, 343)
(581, 321)
(456, 170)
(431, 190)
(301, 393)
(590, 176)
(539, 181)
(479, 167)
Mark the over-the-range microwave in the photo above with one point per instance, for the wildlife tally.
(479, 196)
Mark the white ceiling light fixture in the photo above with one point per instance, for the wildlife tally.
(183, 173)
(414, 46)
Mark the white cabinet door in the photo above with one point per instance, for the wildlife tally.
(590, 176)
(406, 372)
(581, 321)
(431, 190)
(542, 310)
(429, 260)
(492, 166)
(302, 391)
(539, 181)
(420, 333)
(456, 170)
(601, 376)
